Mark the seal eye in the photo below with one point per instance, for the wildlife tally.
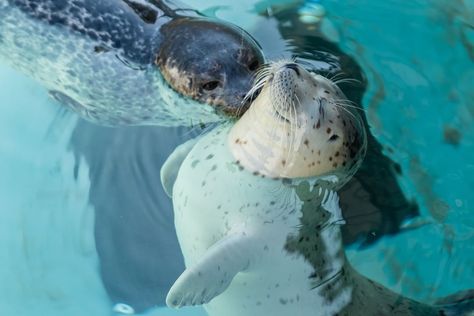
(211, 85)
(253, 65)
(333, 138)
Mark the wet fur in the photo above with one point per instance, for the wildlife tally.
(98, 58)
(296, 263)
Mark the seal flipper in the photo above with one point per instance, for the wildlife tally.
(213, 273)
(67, 101)
(148, 14)
(170, 168)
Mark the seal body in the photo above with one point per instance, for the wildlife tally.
(252, 218)
(261, 236)
(113, 61)
(237, 229)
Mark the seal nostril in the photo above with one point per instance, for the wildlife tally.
(333, 138)
(294, 67)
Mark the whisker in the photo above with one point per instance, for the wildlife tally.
(358, 108)
(348, 81)
(336, 76)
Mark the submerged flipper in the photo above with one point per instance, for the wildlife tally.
(170, 168)
(213, 273)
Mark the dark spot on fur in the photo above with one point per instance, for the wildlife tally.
(328, 130)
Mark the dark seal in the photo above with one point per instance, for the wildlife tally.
(114, 61)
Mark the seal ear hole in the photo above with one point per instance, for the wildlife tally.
(254, 64)
(210, 85)
(333, 138)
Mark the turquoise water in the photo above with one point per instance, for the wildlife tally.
(418, 59)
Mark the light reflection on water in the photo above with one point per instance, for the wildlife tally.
(55, 173)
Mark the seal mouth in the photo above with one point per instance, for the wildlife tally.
(224, 109)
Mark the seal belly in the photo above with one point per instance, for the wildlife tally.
(206, 211)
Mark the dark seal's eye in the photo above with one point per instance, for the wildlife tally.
(333, 138)
(211, 85)
(253, 65)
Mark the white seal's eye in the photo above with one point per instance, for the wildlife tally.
(333, 138)
(211, 85)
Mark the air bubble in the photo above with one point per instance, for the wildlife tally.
(123, 309)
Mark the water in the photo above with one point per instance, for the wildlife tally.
(67, 234)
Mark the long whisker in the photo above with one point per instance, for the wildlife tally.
(347, 80)
(356, 117)
(337, 76)
(358, 108)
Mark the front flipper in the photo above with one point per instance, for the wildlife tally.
(170, 168)
(213, 273)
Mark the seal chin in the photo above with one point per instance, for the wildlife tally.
(209, 61)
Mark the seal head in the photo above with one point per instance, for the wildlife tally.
(210, 62)
(301, 125)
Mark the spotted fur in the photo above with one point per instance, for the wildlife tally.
(300, 125)
(100, 58)
(257, 242)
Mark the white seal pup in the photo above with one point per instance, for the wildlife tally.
(256, 211)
